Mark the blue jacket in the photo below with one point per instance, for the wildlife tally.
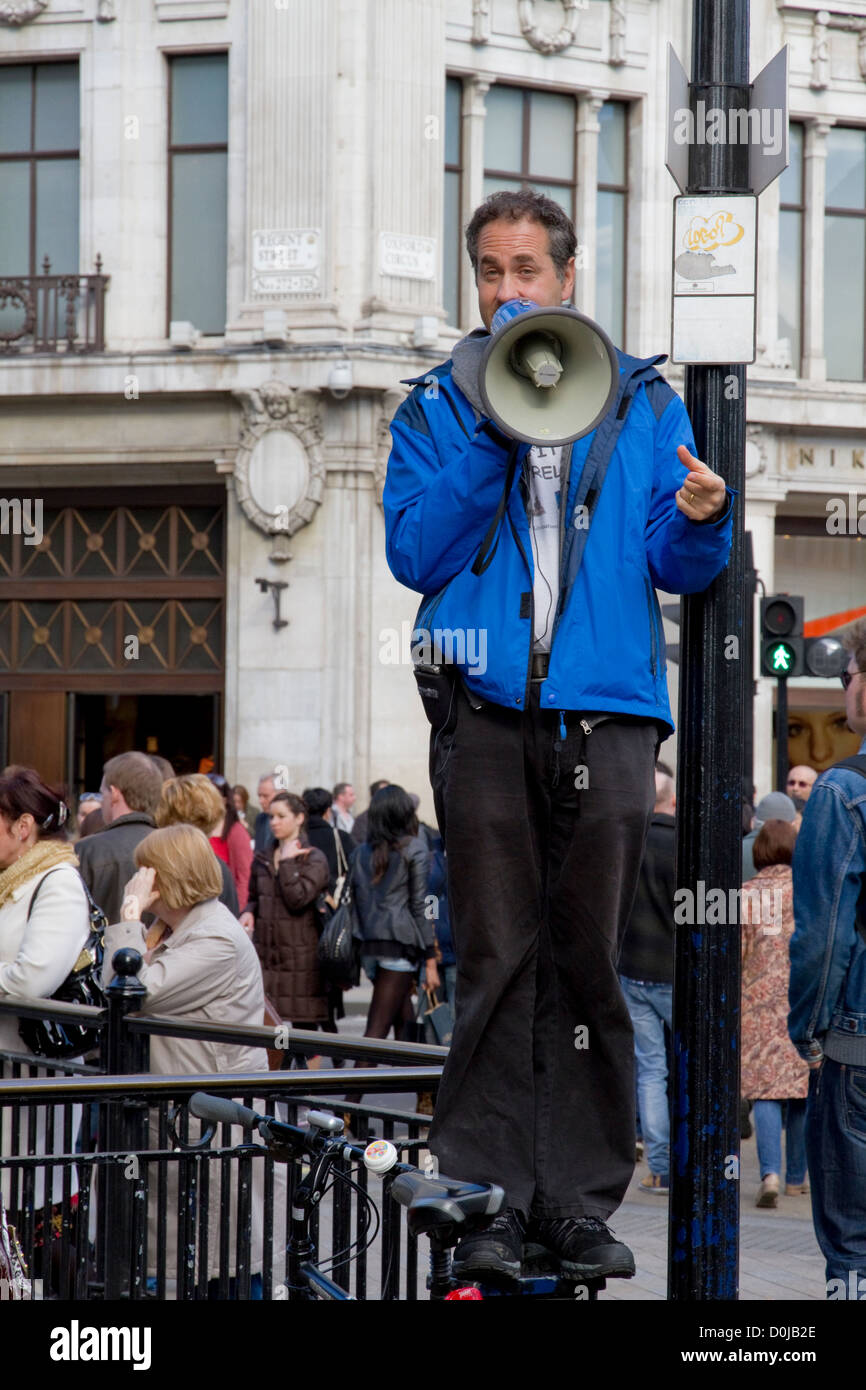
(827, 991)
(446, 474)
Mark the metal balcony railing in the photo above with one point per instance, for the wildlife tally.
(53, 313)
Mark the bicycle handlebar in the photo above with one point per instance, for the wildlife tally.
(321, 1137)
(220, 1111)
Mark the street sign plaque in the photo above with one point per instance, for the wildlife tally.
(714, 275)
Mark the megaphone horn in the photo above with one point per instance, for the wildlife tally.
(548, 376)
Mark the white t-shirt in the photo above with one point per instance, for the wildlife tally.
(545, 473)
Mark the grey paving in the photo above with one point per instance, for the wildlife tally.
(779, 1256)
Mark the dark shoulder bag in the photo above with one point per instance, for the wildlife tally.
(339, 952)
(49, 1037)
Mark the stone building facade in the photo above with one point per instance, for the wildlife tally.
(274, 189)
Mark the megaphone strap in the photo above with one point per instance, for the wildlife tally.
(490, 543)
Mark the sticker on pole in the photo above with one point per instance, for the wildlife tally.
(714, 278)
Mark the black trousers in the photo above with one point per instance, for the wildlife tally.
(544, 845)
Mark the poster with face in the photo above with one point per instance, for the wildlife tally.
(820, 737)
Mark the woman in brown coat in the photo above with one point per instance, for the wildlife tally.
(773, 1073)
(285, 882)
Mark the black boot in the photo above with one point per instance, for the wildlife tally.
(498, 1249)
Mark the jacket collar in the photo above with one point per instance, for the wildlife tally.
(177, 934)
(132, 818)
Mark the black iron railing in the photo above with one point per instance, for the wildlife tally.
(53, 313)
(110, 1205)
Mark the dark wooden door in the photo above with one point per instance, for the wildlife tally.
(37, 732)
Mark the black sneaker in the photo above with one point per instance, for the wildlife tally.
(585, 1247)
(498, 1249)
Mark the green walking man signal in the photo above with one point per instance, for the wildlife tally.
(782, 659)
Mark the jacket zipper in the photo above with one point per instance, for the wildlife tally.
(589, 724)
(563, 499)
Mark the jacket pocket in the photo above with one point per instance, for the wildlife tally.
(854, 1102)
(651, 614)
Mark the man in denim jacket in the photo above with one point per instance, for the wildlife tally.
(827, 1022)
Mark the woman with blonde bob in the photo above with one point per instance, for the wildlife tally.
(194, 800)
(199, 964)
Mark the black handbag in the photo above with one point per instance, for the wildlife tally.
(49, 1037)
(339, 951)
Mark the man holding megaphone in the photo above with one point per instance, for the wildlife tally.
(540, 486)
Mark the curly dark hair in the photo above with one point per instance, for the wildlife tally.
(514, 206)
(317, 800)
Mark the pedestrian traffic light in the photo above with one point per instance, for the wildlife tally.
(782, 636)
(825, 656)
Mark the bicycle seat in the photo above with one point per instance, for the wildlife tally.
(436, 1203)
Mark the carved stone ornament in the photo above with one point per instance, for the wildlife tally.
(617, 33)
(756, 451)
(390, 401)
(775, 354)
(279, 470)
(820, 52)
(543, 39)
(480, 21)
(21, 13)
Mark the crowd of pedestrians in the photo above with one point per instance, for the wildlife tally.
(227, 906)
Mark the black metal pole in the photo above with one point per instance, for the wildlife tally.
(123, 1126)
(781, 732)
(704, 1207)
(748, 662)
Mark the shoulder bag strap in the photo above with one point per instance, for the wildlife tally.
(342, 862)
(35, 894)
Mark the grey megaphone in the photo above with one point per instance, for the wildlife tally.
(548, 376)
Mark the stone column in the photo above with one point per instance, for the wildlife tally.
(761, 521)
(814, 361)
(588, 128)
(290, 138)
(475, 89)
(406, 89)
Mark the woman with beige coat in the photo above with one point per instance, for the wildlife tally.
(773, 1076)
(199, 965)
